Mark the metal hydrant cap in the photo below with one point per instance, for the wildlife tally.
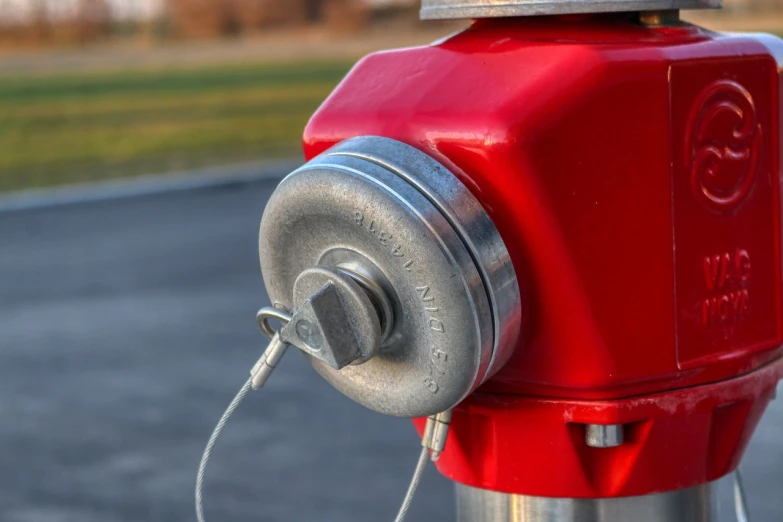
(397, 220)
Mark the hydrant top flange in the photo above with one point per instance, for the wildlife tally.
(457, 9)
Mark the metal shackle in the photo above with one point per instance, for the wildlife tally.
(427, 257)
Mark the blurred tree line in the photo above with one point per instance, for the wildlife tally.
(760, 6)
(90, 20)
(223, 17)
(87, 21)
(47, 22)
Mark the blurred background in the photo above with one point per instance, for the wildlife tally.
(127, 323)
(95, 89)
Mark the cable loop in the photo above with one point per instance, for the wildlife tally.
(267, 313)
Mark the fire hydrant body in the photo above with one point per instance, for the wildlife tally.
(633, 172)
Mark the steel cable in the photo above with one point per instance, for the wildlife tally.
(202, 468)
(404, 507)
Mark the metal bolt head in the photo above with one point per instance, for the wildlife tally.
(310, 334)
(604, 436)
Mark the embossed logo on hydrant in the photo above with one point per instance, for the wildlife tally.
(722, 145)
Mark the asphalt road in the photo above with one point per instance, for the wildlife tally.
(125, 329)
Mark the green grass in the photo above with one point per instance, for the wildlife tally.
(85, 126)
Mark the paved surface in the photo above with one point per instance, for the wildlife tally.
(125, 329)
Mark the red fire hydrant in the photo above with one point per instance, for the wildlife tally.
(631, 164)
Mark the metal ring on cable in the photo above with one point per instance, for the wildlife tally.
(267, 313)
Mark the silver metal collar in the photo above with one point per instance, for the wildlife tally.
(456, 9)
